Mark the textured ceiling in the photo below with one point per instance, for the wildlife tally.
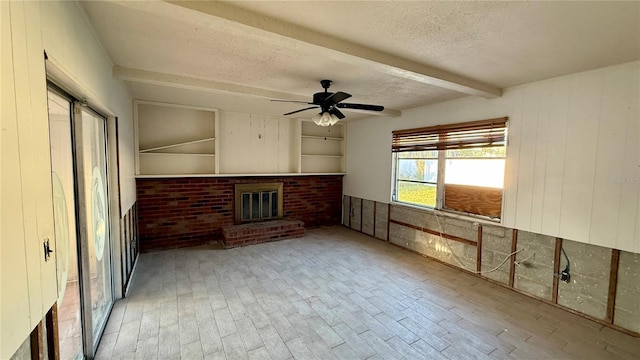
(285, 48)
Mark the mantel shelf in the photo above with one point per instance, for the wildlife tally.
(235, 175)
(176, 145)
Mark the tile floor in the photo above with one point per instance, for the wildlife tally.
(337, 294)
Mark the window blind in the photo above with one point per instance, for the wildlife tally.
(474, 134)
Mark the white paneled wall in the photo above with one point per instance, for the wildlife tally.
(28, 30)
(255, 144)
(573, 163)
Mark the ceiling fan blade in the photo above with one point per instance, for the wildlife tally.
(360, 107)
(297, 111)
(336, 112)
(294, 101)
(336, 98)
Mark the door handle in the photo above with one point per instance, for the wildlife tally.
(47, 249)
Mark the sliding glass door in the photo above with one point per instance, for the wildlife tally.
(79, 172)
(64, 210)
(91, 165)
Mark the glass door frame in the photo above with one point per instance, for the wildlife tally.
(89, 341)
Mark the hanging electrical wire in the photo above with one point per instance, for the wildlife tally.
(455, 256)
(564, 274)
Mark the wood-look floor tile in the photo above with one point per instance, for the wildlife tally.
(337, 294)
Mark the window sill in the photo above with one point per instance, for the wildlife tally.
(452, 214)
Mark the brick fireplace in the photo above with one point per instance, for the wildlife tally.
(181, 212)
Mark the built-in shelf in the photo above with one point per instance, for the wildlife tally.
(175, 139)
(322, 148)
(176, 145)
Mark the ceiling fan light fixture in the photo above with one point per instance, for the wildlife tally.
(334, 120)
(317, 119)
(325, 119)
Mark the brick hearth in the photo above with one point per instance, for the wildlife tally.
(181, 212)
(261, 232)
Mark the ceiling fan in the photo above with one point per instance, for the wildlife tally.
(329, 104)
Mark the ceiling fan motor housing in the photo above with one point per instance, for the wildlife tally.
(319, 98)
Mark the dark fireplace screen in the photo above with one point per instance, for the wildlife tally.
(258, 202)
(262, 205)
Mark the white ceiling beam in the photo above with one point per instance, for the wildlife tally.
(189, 83)
(259, 26)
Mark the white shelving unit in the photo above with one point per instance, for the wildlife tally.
(175, 139)
(322, 148)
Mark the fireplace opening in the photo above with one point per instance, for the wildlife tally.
(258, 202)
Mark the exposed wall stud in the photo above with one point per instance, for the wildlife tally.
(388, 220)
(361, 201)
(375, 204)
(613, 285)
(556, 270)
(479, 251)
(349, 217)
(514, 247)
(433, 232)
(37, 344)
(53, 339)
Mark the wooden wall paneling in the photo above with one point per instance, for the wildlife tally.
(28, 173)
(514, 127)
(580, 156)
(216, 144)
(613, 127)
(512, 266)
(287, 137)
(554, 166)
(529, 117)
(14, 307)
(629, 212)
(271, 127)
(556, 270)
(479, 251)
(43, 188)
(540, 160)
(237, 141)
(613, 283)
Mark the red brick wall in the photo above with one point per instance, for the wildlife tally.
(180, 212)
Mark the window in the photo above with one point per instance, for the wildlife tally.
(457, 167)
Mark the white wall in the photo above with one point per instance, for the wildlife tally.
(257, 144)
(573, 158)
(72, 46)
(28, 29)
